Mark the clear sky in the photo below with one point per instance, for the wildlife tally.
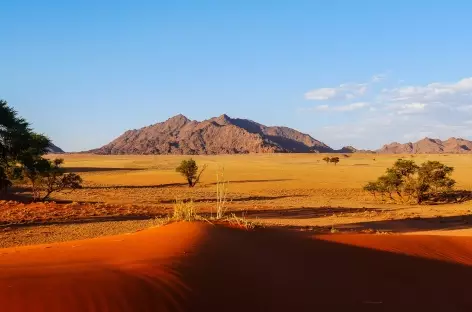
(360, 73)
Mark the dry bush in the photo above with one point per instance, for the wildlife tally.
(184, 211)
(242, 222)
(221, 192)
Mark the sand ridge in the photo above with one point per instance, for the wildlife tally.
(202, 267)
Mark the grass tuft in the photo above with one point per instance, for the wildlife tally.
(184, 211)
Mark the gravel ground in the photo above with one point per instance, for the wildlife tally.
(44, 234)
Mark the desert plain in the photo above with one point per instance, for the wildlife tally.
(301, 235)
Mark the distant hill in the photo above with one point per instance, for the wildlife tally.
(350, 149)
(218, 135)
(429, 146)
(53, 149)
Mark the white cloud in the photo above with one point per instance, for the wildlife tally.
(405, 113)
(346, 91)
(351, 107)
(446, 93)
(321, 94)
(343, 91)
(411, 108)
(465, 108)
(321, 108)
(342, 108)
(378, 77)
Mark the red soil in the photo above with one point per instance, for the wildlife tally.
(200, 267)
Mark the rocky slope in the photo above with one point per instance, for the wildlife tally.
(219, 135)
(53, 149)
(429, 146)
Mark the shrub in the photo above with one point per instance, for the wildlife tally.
(189, 169)
(48, 176)
(221, 193)
(409, 181)
(184, 211)
(334, 160)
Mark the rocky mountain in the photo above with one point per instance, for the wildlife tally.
(219, 135)
(53, 149)
(429, 146)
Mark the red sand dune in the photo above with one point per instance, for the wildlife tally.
(200, 267)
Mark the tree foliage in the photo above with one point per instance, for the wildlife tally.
(21, 157)
(334, 160)
(48, 176)
(189, 169)
(405, 180)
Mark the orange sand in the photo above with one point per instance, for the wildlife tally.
(200, 267)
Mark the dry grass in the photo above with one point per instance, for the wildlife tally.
(284, 189)
(184, 211)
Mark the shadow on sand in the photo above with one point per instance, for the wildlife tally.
(272, 270)
(459, 222)
(302, 213)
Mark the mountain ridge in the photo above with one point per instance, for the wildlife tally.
(429, 146)
(225, 135)
(217, 135)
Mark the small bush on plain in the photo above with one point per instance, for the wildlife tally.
(189, 169)
(407, 181)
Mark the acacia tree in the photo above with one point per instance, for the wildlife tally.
(21, 156)
(334, 160)
(54, 178)
(16, 141)
(410, 181)
(189, 169)
(326, 159)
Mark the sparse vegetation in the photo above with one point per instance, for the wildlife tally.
(406, 181)
(221, 193)
(189, 169)
(46, 176)
(334, 160)
(21, 158)
(242, 222)
(184, 211)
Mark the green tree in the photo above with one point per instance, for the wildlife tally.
(189, 169)
(17, 142)
(21, 157)
(334, 160)
(433, 179)
(326, 159)
(55, 179)
(408, 180)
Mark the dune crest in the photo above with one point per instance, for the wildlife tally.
(201, 267)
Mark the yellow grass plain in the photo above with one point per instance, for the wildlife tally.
(274, 182)
(300, 191)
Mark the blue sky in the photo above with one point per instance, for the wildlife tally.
(360, 73)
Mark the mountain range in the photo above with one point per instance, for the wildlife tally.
(218, 135)
(226, 135)
(429, 146)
